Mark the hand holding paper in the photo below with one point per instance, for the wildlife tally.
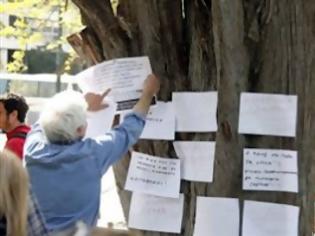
(151, 86)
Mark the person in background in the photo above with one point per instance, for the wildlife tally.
(65, 169)
(19, 215)
(13, 109)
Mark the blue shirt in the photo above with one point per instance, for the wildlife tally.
(66, 179)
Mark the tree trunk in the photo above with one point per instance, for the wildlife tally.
(229, 46)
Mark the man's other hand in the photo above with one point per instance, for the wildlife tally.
(95, 101)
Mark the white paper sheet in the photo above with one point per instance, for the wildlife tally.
(160, 122)
(153, 175)
(124, 76)
(217, 217)
(153, 213)
(101, 121)
(270, 170)
(197, 159)
(195, 111)
(268, 114)
(270, 219)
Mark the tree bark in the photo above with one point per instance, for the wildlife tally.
(234, 46)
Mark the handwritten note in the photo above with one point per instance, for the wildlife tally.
(101, 121)
(217, 216)
(124, 76)
(195, 111)
(268, 114)
(270, 170)
(270, 219)
(197, 159)
(160, 122)
(153, 175)
(153, 213)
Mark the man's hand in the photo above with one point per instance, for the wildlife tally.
(151, 85)
(95, 101)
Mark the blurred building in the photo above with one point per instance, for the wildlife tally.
(37, 59)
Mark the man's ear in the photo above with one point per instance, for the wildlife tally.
(13, 116)
(81, 131)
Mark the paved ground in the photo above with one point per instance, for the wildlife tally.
(111, 210)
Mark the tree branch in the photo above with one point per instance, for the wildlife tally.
(99, 15)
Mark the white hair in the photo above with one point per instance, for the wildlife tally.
(64, 113)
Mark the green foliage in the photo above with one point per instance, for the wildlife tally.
(39, 23)
(17, 65)
(114, 5)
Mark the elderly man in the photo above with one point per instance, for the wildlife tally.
(66, 170)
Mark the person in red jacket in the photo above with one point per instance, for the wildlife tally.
(13, 109)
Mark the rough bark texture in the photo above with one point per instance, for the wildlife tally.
(229, 46)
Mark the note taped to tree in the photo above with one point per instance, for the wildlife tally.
(197, 159)
(124, 76)
(270, 219)
(217, 217)
(268, 114)
(160, 122)
(195, 111)
(154, 213)
(270, 170)
(153, 175)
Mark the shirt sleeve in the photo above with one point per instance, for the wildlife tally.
(111, 147)
(35, 138)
